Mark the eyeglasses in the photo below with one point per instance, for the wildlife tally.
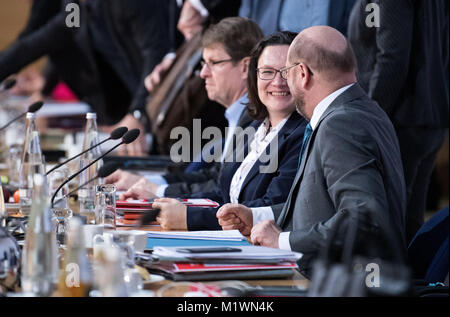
(268, 73)
(214, 63)
(285, 70)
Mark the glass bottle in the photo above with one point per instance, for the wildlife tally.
(86, 193)
(31, 164)
(3, 212)
(75, 278)
(40, 252)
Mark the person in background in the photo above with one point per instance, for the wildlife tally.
(403, 66)
(105, 60)
(297, 15)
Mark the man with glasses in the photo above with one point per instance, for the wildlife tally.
(226, 50)
(350, 172)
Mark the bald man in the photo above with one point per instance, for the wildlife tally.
(350, 172)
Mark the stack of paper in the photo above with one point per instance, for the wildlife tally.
(219, 263)
(249, 254)
(228, 235)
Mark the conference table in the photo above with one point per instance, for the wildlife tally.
(178, 289)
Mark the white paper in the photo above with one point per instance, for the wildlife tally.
(247, 253)
(223, 235)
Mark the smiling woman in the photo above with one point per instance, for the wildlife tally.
(267, 90)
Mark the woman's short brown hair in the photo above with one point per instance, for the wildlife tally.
(257, 110)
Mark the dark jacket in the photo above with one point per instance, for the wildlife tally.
(140, 31)
(259, 189)
(403, 64)
(183, 185)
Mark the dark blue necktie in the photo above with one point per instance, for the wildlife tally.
(306, 137)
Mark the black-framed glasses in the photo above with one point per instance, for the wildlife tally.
(266, 73)
(214, 63)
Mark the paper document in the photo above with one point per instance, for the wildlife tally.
(247, 253)
(226, 235)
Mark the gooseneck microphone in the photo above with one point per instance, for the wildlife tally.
(128, 138)
(102, 172)
(115, 135)
(32, 108)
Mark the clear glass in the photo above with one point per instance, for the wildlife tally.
(14, 159)
(61, 211)
(32, 163)
(40, 252)
(105, 205)
(86, 194)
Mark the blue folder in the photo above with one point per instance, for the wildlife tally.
(161, 242)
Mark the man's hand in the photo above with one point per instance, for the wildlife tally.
(173, 214)
(154, 79)
(139, 147)
(266, 234)
(123, 180)
(236, 217)
(190, 21)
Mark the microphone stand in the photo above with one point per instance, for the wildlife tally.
(82, 170)
(76, 156)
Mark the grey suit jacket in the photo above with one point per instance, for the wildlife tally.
(351, 166)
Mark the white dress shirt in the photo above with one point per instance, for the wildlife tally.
(265, 213)
(263, 136)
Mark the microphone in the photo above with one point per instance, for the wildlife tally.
(8, 84)
(102, 172)
(32, 108)
(115, 135)
(128, 138)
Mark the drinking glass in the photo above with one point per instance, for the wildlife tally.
(105, 205)
(61, 211)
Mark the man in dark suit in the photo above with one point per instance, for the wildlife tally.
(403, 66)
(350, 165)
(104, 60)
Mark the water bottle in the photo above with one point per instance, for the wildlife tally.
(31, 164)
(40, 252)
(86, 194)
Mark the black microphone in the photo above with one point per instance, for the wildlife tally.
(115, 135)
(32, 108)
(8, 84)
(102, 172)
(128, 138)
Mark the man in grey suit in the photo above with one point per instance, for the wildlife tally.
(350, 166)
